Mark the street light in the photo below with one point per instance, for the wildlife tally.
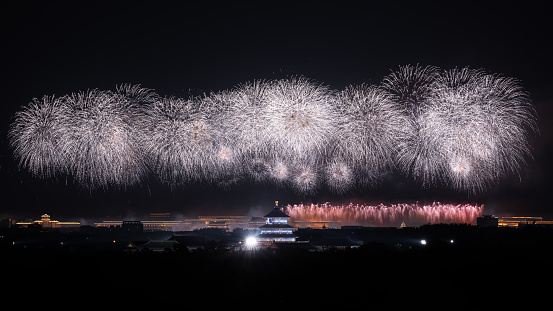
(251, 242)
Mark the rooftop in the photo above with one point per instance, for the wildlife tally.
(276, 212)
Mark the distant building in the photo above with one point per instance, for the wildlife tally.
(160, 216)
(276, 228)
(255, 223)
(147, 225)
(487, 221)
(515, 222)
(132, 225)
(46, 222)
(322, 224)
(226, 223)
(512, 222)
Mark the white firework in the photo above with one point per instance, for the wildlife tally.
(242, 120)
(227, 147)
(136, 95)
(339, 176)
(35, 136)
(300, 119)
(463, 128)
(473, 129)
(103, 147)
(280, 171)
(411, 85)
(373, 128)
(258, 169)
(305, 178)
(180, 141)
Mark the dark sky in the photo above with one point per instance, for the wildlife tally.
(59, 48)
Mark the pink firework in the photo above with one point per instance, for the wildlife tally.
(386, 215)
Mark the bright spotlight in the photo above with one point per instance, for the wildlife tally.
(423, 242)
(251, 242)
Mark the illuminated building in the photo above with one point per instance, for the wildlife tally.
(276, 228)
(515, 222)
(160, 216)
(147, 225)
(226, 223)
(46, 222)
(255, 223)
(487, 221)
(164, 222)
(322, 224)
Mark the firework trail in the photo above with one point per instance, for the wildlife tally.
(386, 215)
(462, 128)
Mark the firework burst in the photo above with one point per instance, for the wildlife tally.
(180, 141)
(339, 176)
(36, 134)
(462, 128)
(103, 147)
(411, 85)
(299, 118)
(472, 130)
(305, 179)
(373, 128)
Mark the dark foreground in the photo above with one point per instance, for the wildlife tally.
(510, 267)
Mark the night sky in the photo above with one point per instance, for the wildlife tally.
(183, 50)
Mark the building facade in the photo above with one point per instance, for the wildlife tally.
(47, 223)
(276, 228)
